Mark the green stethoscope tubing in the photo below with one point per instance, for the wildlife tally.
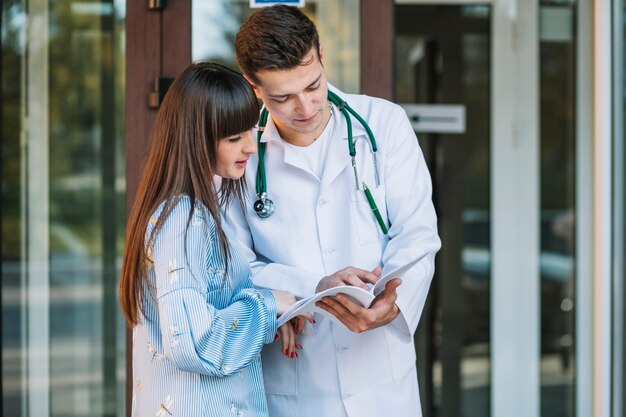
(346, 110)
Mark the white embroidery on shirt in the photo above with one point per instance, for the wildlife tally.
(175, 331)
(173, 271)
(235, 410)
(164, 407)
(197, 218)
(155, 355)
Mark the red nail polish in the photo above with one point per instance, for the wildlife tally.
(276, 336)
(295, 353)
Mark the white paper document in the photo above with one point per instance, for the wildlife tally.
(365, 298)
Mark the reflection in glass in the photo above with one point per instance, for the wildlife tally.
(443, 57)
(215, 25)
(558, 298)
(63, 208)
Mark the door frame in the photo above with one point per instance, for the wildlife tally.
(157, 48)
(515, 202)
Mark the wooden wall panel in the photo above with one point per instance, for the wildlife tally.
(377, 48)
(158, 44)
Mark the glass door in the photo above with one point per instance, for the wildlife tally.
(498, 334)
(443, 58)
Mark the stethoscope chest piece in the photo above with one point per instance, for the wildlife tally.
(264, 207)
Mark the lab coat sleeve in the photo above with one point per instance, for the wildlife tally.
(411, 214)
(197, 336)
(269, 274)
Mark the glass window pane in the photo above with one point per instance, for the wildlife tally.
(443, 57)
(63, 340)
(215, 24)
(557, 120)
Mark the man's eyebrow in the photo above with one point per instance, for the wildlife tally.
(275, 96)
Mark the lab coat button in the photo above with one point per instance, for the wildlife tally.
(346, 395)
(323, 202)
(330, 251)
(341, 349)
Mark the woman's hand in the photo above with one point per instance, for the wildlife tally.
(284, 300)
(288, 334)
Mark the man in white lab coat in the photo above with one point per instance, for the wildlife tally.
(323, 232)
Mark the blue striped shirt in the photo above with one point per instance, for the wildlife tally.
(196, 352)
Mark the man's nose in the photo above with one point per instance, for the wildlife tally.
(305, 104)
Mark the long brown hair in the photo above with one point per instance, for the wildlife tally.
(206, 102)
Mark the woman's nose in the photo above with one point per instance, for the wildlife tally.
(250, 143)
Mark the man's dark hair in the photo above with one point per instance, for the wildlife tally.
(275, 38)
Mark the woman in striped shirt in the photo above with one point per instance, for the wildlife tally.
(198, 325)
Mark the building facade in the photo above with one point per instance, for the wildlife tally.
(518, 105)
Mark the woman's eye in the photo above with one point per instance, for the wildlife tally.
(234, 139)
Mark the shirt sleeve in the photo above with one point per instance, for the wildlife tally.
(197, 336)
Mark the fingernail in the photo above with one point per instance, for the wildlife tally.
(299, 346)
(276, 336)
(295, 353)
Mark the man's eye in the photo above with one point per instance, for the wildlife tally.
(280, 100)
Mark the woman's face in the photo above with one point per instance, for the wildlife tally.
(233, 153)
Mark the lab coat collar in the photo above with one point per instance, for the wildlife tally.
(338, 156)
(271, 132)
(342, 125)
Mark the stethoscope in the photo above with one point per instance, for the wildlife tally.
(264, 207)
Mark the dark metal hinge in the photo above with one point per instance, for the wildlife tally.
(156, 4)
(159, 88)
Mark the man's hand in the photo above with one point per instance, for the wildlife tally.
(349, 276)
(358, 319)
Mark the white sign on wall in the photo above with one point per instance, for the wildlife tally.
(436, 118)
(267, 3)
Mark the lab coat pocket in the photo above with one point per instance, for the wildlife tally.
(279, 371)
(401, 354)
(364, 221)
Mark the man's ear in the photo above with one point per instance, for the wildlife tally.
(253, 85)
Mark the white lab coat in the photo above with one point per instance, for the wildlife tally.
(320, 227)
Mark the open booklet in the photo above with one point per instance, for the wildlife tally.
(365, 298)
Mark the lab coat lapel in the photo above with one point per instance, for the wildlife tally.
(290, 157)
(338, 156)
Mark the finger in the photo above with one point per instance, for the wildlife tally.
(339, 309)
(377, 271)
(286, 336)
(390, 289)
(342, 318)
(350, 305)
(325, 305)
(364, 275)
(298, 324)
(389, 295)
(352, 322)
(355, 281)
(308, 317)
